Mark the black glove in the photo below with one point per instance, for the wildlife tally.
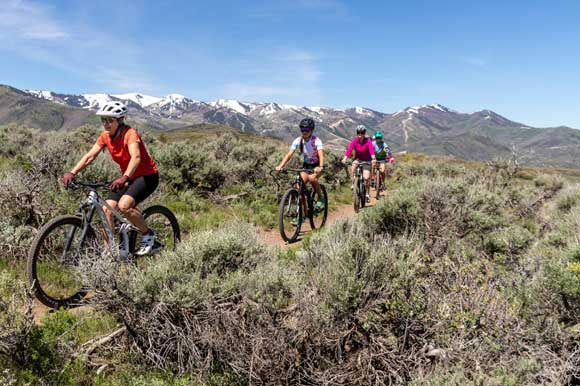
(119, 183)
(67, 179)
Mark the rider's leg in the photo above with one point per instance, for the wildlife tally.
(367, 178)
(353, 172)
(127, 207)
(382, 168)
(313, 178)
(139, 189)
(110, 218)
(109, 214)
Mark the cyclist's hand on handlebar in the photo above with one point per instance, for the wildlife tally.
(343, 161)
(119, 183)
(67, 179)
(278, 169)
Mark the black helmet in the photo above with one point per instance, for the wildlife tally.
(307, 123)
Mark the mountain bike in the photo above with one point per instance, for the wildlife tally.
(359, 191)
(297, 203)
(379, 181)
(57, 251)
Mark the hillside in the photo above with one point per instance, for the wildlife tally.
(18, 107)
(432, 129)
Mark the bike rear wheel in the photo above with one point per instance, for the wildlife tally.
(290, 215)
(53, 261)
(317, 217)
(378, 183)
(164, 223)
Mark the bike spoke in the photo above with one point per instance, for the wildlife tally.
(56, 265)
(290, 217)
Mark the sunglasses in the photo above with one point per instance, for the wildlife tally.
(107, 119)
(305, 130)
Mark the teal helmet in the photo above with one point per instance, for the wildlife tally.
(379, 135)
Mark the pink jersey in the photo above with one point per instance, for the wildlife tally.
(363, 150)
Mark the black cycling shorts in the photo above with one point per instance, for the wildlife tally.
(140, 188)
(366, 166)
(310, 166)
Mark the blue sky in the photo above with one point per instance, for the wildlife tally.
(520, 58)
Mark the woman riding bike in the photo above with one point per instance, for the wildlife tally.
(382, 153)
(364, 152)
(311, 147)
(139, 175)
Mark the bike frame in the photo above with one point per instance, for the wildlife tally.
(378, 170)
(302, 188)
(94, 203)
(359, 178)
(359, 170)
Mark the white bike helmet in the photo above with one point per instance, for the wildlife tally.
(361, 129)
(113, 109)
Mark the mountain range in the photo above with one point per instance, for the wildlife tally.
(430, 129)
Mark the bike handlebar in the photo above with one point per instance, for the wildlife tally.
(286, 170)
(359, 162)
(88, 184)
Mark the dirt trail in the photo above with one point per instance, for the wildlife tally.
(39, 311)
(272, 237)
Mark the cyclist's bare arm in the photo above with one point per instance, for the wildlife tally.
(87, 159)
(135, 159)
(285, 160)
(321, 158)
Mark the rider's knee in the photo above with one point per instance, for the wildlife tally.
(124, 207)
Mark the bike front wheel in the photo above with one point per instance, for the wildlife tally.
(54, 259)
(290, 216)
(164, 223)
(317, 216)
(355, 196)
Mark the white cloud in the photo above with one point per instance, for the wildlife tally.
(255, 92)
(118, 80)
(24, 19)
(474, 61)
(303, 64)
(32, 30)
(290, 76)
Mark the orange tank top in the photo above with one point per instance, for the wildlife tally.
(119, 150)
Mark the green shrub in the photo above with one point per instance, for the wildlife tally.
(566, 202)
(209, 263)
(187, 167)
(549, 182)
(511, 240)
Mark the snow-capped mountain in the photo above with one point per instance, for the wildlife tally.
(433, 128)
(336, 124)
(141, 99)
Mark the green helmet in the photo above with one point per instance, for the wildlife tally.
(379, 134)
